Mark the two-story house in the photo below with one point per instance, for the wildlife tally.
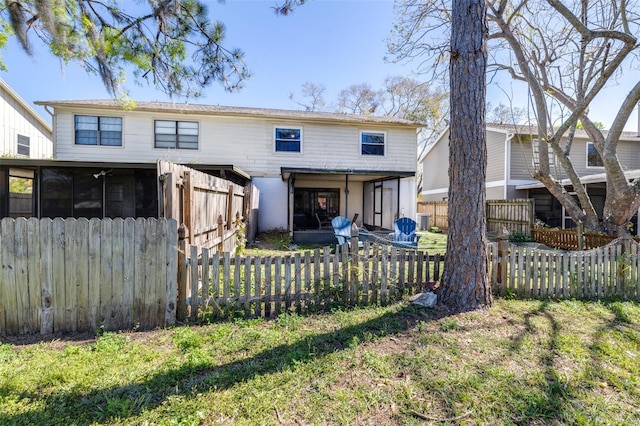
(511, 157)
(23, 134)
(308, 166)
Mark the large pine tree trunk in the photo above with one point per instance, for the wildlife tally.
(465, 284)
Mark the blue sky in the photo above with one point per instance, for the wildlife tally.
(336, 43)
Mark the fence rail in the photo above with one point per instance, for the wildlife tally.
(67, 275)
(571, 239)
(311, 281)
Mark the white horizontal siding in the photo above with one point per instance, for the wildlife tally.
(435, 166)
(522, 162)
(243, 142)
(495, 156)
(521, 159)
(16, 120)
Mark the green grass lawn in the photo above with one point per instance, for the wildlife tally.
(278, 243)
(521, 362)
(433, 242)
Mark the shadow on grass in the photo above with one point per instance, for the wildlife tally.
(559, 397)
(122, 402)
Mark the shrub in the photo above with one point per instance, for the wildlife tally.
(519, 237)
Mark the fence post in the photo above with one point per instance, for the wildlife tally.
(503, 250)
(580, 233)
(353, 276)
(187, 217)
(532, 215)
(220, 234)
(230, 207)
(183, 241)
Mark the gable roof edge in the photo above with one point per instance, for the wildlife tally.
(226, 111)
(25, 105)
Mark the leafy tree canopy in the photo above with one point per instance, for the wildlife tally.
(172, 44)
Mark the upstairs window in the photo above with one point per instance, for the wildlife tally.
(593, 158)
(24, 145)
(536, 154)
(176, 134)
(288, 139)
(93, 130)
(372, 143)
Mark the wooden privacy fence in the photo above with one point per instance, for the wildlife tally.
(571, 239)
(311, 281)
(517, 215)
(609, 271)
(67, 275)
(206, 205)
(438, 212)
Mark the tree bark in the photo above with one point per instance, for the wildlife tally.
(465, 285)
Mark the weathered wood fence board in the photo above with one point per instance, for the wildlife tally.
(208, 206)
(569, 239)
(303, 282)
(517, 215)
(67, 275)
(438, 212)
(609, 271)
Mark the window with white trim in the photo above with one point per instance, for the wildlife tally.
(94, 130)
(24, 145)
(176, 134)
(535, 145)
(288, 139)
(372, 143)
(593, 157)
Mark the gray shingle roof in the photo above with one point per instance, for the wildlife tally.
(526, 129)
(187, 108)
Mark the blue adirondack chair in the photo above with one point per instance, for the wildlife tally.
(341, 229)
(405, 233)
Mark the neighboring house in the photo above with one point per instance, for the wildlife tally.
(511, 154)
(308, 166)
(23, 132)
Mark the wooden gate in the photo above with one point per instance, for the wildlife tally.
(206, 205)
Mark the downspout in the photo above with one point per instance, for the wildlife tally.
(290, 205)
(53, 130)
(507, 162)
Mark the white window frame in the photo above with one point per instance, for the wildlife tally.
(535, 147)
(384, 146)
(284, 127)
(586, 153)
(176, 134)
(23, 144)
(99, 132)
